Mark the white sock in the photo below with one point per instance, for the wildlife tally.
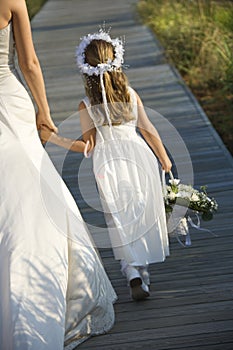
(129, 271)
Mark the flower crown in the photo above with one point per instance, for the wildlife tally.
(111, 65)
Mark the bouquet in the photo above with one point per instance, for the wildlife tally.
(186, 195)
(197, 201)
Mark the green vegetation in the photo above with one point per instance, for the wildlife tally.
(198, 38)
(34, 6)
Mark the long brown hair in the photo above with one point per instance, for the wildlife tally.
(115, 82)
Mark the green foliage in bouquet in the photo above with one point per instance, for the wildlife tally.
(186, 195)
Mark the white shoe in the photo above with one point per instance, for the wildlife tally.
(145, 287)
(143, 270)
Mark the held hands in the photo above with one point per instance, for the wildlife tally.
(43, 120)
(74, 145)
(45, 133)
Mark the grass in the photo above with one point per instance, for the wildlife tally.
(198, 39)
(34, 6)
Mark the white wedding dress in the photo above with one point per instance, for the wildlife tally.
(129, 184)
(53, 288)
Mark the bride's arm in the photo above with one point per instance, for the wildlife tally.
(152, 137)
(28, 61)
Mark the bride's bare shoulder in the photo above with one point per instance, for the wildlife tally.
(11, 6)
(5, 13)
(8, 8)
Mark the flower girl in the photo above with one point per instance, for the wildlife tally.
(125, 167)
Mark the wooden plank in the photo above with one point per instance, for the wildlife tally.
(162, 334)
(220, 341)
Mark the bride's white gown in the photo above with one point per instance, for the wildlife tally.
(52, 284)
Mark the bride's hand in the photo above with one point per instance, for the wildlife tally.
(43, 120)
(45, 134)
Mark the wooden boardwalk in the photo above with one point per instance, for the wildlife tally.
(191, 303)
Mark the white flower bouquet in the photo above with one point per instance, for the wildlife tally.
(197, 201)
(186, 195)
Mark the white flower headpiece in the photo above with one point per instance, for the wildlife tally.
(101, 68)
(111, 65)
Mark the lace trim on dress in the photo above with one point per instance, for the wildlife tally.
(107, 323)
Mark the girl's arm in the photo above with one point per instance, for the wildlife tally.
(28, 61)
(87, 125)
(152, 137)
(88, 134)
(73, 145)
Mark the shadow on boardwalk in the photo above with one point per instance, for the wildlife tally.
(191, 293)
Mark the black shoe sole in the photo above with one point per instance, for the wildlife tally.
(137, 292)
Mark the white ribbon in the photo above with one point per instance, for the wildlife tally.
(186, 234)
(105, 102)
(187, 240)
(198, 225)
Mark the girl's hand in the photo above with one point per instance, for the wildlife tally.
(45, 134)
(89, 146)
(166, 164)
(43, 120)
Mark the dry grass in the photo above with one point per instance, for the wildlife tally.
(198, 38)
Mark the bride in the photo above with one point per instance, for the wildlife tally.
(54, 292)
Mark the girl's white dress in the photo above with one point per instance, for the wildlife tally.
(129, 184)
(52, 284)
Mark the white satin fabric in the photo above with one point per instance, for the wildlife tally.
(53, 288)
